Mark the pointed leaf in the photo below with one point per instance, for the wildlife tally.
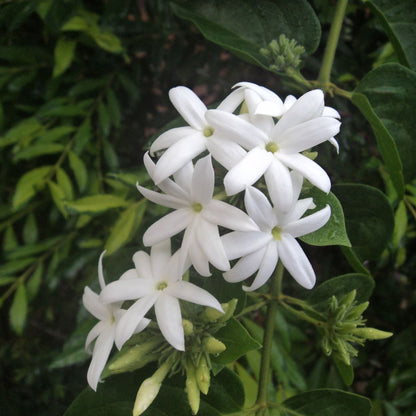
(95, 204)
(30, 230)
(79, 170)
(18, 310)
(64, 54)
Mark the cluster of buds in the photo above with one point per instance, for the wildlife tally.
(345, 326)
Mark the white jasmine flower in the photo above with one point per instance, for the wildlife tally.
(104, 331)
(273, 155)
(261, 250)
(196, 212)
(155, 281)
(182, 144)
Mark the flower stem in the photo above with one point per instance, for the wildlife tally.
(268, 339)
(331, 46)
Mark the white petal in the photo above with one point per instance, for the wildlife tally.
(127, 289)
(169, 319)
(199, 259)
(131, 319)
(297, 211)
(210, 242)
(266, 269)
(247, 171)
(94, 333)
(264, 92)
(310, 223)
(159, 257)
(334, 143)
(183, 178)
(330, 112)
(100, 270)
(295, 261)
(232, 101)
(142, 264)
(168, 226)
(192, 293)
(245, 267)
(279, 184)
(308, 134)
(102, 349)
(178, 155)
(309, 169)
(161, 199)
(203, 181)
(259, 209)
(169, 137)
(268, 108)
(308, 106)
(93, 304)
(225, 152)
(228, 216)
(289, 101)
(234, 128)
(189, 106)
(238, 243)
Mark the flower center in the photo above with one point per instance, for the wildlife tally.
(272, 147)
(208, 131)
(161, 285)
(277, 233)
(197, 207)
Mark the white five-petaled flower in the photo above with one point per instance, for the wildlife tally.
(155, 280)
(104, 331)
(183, 144)
(273, 154)
(196, 212)
(260, 250)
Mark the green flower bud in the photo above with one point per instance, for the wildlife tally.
(349, 298)
(213, 345)
(203, 376)
(229, 309)
(371, 333)
(326, 346)
(341, 350)
(188, 327)
(211, 315)
(149, 389)
(192, 389)
(357, 311)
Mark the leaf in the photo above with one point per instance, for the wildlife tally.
(328, 402)
(29, 185)
(26, 129)
(65, 183)
(39, 149)
(95, 204)
(368, 218)
(346, 371)
(11, 267)
(58, 196)
(55, 133)
(30, 230)
(104, 119)
(125, 227)
(237, 340)
(64, 54)
(9, 240)
(250, 26)
(110, 155)
(18, 310)
(34, 282)
(333, 232)
(83, 136)
(107, 41)
(113, 108)
(76, 23)
(387, 97)
(339, 286)
(79, 170)
(399, 22)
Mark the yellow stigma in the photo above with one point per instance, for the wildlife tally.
(277, 233)
(161, 286)
(197, 207)
(272, 147)
(208, 131)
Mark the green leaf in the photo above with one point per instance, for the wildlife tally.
(76, 23)
(245, 29)
(9, 240)
(39, 149)
(237, 340)
(387, 97)
(104, 119)
(399, 22)
(110, 155)
(346, 371)
(333, 232)
(34, 282)
(368, 218)
(28, 128)
(83, 136)
(125, 227)
(96, 204)
(64, 54)
(55, 133)
(18, 310)
(79, 170)
(11, 267)
(328, 402)
(29, 185)
(339, 286)
(65, 183)
(107, 41)
(30, 230)
(58, 196)
(113, 108)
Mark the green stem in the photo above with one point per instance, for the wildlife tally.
(331, 46)
(268, 339)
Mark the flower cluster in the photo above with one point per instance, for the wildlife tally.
(262, 142)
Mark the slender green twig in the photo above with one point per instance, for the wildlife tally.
(331, 46)
(268, 339)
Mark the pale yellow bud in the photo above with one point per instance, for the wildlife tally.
(371, 333)
(192, 389)
(213, 345)
(203, 376)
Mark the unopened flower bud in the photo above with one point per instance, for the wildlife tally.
(192, 389)
(211, 315)
(229, 309)
(149, 389)
(188, 327)
(213, 345)
(203, 376)
(349, 298)
(371, 333)
(357, 311)
(342, 351)
(326, 346)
